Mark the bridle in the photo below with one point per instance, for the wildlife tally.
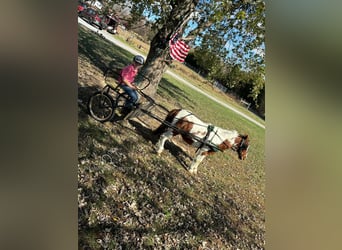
(238, 147)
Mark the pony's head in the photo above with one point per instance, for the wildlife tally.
(242, 147)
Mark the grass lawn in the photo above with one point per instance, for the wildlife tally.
(130, 197)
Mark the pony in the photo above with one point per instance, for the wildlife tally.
(206, 137)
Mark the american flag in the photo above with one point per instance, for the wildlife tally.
(178, 48)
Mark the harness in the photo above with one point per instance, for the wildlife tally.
(205, 141)
(210, 128)
(237, 147)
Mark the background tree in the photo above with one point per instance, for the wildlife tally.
(231, 30)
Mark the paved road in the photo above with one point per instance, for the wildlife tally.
(111, 38)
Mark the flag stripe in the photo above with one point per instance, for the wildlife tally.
(183, 52)
(178, 54)
(178, 49)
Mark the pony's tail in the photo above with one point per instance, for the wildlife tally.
(167, 121)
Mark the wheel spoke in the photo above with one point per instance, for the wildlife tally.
(100, 107)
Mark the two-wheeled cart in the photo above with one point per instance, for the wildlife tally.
(108, 105)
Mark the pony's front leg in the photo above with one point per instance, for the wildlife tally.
(200, 155)
(160, 144)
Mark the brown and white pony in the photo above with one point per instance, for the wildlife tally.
(207, 138)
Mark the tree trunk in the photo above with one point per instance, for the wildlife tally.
(155, 66)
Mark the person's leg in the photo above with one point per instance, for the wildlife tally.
(133, 96)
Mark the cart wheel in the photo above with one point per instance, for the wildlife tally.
(101, 107)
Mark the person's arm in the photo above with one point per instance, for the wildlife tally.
(131, 85)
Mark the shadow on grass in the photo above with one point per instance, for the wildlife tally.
(155, 176)
(175, 150)
(101, 52)
(168, 89)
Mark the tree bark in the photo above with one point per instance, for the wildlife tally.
(155, 65)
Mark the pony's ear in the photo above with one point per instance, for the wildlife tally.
(245, 137)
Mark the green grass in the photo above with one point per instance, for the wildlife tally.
(223, 205)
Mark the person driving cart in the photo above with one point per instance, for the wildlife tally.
(126, 80)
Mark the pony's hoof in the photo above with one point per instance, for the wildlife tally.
(191, 171)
